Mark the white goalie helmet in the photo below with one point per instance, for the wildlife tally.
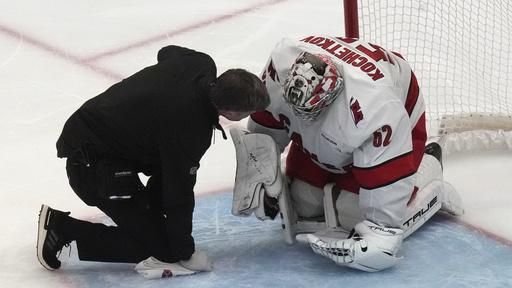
(311, 85)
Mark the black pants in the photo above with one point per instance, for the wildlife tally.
(141, 226)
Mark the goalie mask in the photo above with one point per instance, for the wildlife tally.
(311, 85)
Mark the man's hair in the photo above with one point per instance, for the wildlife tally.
(239, 90)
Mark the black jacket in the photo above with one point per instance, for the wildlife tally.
(161, 119)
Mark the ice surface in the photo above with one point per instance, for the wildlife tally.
(54, 55)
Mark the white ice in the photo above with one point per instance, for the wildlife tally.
(54, 55)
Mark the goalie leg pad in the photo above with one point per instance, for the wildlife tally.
(452, 201)
(258, 166)
(307, 200)
(349, 213)
(433, 194)
(426, 203)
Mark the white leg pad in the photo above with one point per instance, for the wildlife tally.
(452, 201)
(349, 212)
(426, 203)
(433, 194)
(293, 225)
(307, 200)
(331, 229)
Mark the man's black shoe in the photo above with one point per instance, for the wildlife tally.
(49, 241)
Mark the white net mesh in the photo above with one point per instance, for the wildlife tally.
(460, 51)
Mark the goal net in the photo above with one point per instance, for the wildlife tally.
(460, 51)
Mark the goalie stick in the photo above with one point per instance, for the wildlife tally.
(286, 210)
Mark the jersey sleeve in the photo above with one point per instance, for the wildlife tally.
(273, 76)
(263, 122)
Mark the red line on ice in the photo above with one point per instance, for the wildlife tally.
(487, 234)
(88, 62)
(183, 30)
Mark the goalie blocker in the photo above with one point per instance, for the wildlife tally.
(259, 180)
(257, 171)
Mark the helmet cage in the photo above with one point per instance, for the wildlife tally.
(311, 85)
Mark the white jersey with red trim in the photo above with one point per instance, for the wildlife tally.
(368, 127)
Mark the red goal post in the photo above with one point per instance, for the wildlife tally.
(460, 51)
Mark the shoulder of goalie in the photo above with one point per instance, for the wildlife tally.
(258, 171)
(153, 268)
(370, 247)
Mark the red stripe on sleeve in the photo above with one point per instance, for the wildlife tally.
(265, 118)
(385, 173)
(412, 95)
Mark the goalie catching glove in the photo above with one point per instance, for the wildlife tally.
(369, 247)
(152, 268)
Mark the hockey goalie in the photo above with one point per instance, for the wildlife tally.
(358, 176)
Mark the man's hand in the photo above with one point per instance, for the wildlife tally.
(152, 268)
(198, 262)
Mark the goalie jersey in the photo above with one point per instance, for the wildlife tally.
(365, 131)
